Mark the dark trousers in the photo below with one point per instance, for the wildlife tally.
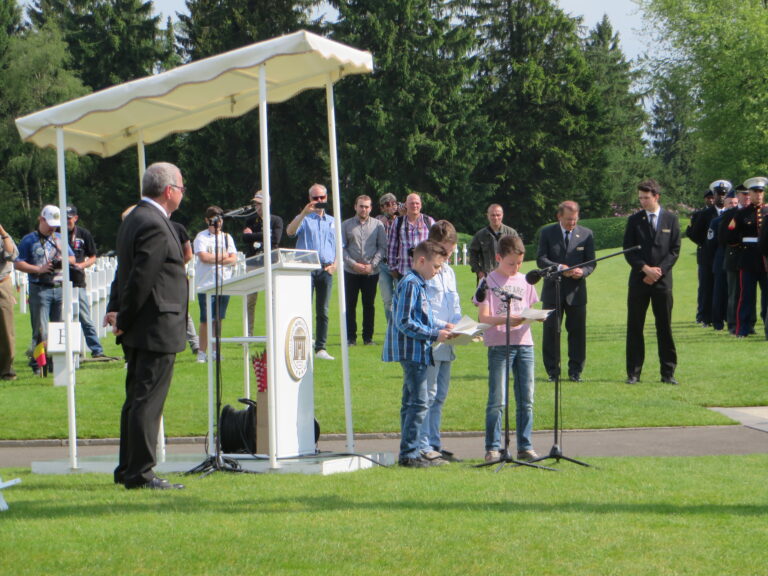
(364, 284)
(719, 300)
(706, 283)
(576, 326)
(660, 299)
(322, 283)
(147, 381)
(746, 312)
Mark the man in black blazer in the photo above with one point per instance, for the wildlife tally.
(657, 233)
(148, 312)
(564, 245)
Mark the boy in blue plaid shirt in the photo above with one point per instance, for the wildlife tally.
(409, 340)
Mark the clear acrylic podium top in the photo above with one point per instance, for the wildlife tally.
(253, 280)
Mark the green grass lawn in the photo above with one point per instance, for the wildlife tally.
(629, 516)
(714, 369)
(624, 516)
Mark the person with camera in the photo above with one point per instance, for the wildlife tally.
(40, 256)
(8, 253)
(216, 255)
(314, 230)
(253, 238)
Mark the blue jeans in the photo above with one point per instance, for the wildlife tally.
(89, 330)
(387, 288)
(322, 282)
(438, 381)
(413, 408)
(521, 368)
(44, 307)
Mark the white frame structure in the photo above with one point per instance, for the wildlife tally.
(183, 100)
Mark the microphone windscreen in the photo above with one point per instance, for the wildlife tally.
(480, 292)
(533, 277)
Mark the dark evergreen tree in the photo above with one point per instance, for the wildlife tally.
(221, 161)
(616, 121)
(28, 174)
(414, 125)
(537, 93)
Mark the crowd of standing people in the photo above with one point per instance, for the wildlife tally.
(404, 254)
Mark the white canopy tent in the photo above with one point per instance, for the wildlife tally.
(185, 99)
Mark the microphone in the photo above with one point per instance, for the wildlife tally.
(534, 276)
(480, 292)
(247, 209)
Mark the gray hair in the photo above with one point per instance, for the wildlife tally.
(157, 177)
(388, 197)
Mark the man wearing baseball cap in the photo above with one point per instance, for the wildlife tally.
(40, 256)
(253, 239)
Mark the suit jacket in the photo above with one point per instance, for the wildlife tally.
(661, 248)
(581, 248)
(151, 283)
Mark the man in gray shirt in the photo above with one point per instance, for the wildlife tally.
(364, 244)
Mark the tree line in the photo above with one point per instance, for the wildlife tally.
(471, 102)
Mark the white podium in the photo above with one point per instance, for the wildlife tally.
(294, 410)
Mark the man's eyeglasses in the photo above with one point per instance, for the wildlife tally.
(318, 198)
(181, 189)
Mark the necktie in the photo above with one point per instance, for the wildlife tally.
(653, 221)
(567, 238)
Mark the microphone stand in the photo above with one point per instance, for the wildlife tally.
(505, 457)
(556, 452)
(217, 462)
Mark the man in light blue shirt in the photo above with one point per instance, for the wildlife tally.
(315, 231)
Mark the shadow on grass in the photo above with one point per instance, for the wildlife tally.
(193, 504)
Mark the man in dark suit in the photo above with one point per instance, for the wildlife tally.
(564, 245)
(657, 233)
(148, 312)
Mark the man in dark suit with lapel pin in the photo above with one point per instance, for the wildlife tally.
(148, 313)
(564, 245)
(657, 233)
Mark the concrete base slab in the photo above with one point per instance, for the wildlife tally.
(751, 416)
(321, 464)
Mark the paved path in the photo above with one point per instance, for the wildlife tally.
(750, 437)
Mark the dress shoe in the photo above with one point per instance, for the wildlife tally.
(575, 378)
(633, 380)
(670, 380)
(551, 378)
(156, 484)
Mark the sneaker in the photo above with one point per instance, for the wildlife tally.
(449, 456)
(323, 355)
(527, 455)
(413, 463)
(201, 358)
(492, 455)
(431, 455)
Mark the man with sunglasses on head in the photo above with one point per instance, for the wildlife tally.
(389, 212)
(314, 230)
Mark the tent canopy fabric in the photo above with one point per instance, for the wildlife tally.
(189, 97)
